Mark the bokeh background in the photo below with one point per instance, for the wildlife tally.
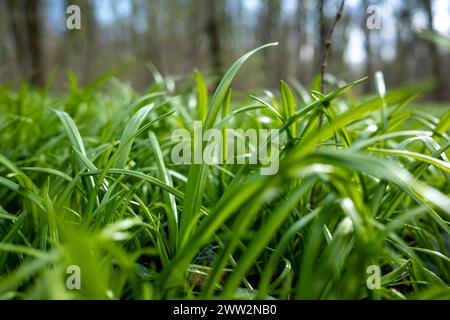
(176, 36)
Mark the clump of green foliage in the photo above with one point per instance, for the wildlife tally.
(86, 180)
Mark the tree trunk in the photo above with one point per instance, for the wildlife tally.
(435, 57)
(369, 87)
(213, 35)
(33, 27)
(90, 38)
(269, 32)
(322, 35)
(19, 36)
(299, 40)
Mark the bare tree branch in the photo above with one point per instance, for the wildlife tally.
(323, 66)
(327, 46)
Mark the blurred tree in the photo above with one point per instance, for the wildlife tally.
(176, 35)
(369, 63)
(403, 35)
(18, 31)
(90, 33)
(435, 57)
(322, 26)
(269, 31)
(213, 35)
(34, 41)
(298, 32)
(79, 49)
(155, 34)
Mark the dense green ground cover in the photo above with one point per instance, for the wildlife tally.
(86, 179)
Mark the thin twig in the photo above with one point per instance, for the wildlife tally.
(323, 67)
(327, 46)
